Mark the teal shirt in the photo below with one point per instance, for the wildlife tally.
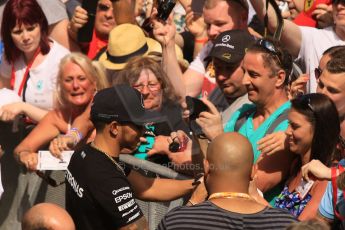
(248, 130)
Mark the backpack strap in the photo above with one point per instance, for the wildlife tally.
(335, 191)
(283, 116)
(243, 118)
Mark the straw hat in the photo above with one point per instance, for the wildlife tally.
(125, 41)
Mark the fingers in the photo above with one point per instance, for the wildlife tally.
(31, 162)
(58, 145)
(210, 105)
(305, 172)
(299, 86)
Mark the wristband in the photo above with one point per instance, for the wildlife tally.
(201, 40)
(77, 136)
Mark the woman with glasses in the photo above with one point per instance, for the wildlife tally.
(29, 65)
(148, 77)
(312, 135)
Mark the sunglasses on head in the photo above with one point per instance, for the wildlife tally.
(48, 179)
(103, 7)
(269, 46)
(306, 102)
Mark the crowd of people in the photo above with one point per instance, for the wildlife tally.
(250, 93)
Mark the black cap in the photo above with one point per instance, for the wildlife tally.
(231, 45)
(121, 103)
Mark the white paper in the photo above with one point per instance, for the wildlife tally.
(46, 161)
(8, 96)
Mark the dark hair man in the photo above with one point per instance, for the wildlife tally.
(100, 191)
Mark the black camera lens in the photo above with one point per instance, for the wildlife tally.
(174, 147)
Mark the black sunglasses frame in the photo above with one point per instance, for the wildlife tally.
(269, 46)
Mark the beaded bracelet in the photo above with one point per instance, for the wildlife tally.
(75, 134)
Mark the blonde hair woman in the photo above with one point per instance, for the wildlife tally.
(77, 81)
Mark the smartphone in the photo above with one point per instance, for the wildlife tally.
(195, 106)
(164, 8)
(85, 33)
(197, 6)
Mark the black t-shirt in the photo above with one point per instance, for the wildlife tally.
(98, 195)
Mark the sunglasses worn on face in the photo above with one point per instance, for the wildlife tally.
(317, 72)
(269, 46)
(48, 179)
(103, 7)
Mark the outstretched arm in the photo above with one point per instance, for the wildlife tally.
(158, 189)
(291, 34)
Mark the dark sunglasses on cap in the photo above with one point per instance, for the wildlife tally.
(103, 7)
(269, 46)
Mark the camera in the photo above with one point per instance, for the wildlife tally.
(164, 8)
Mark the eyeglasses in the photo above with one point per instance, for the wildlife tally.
(103, 7)
(317, 72)
(269, 46)
(48, 179)
(151, 86)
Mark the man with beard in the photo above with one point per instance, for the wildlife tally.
(100, 191)
(228, 171)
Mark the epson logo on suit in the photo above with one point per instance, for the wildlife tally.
(125, 196)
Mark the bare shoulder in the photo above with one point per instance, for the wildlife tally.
(140, 224)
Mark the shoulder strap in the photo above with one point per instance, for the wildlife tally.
(335, 191)
(283, 116)
(243, 118)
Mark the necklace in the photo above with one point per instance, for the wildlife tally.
(115, 163)
(230, 195)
